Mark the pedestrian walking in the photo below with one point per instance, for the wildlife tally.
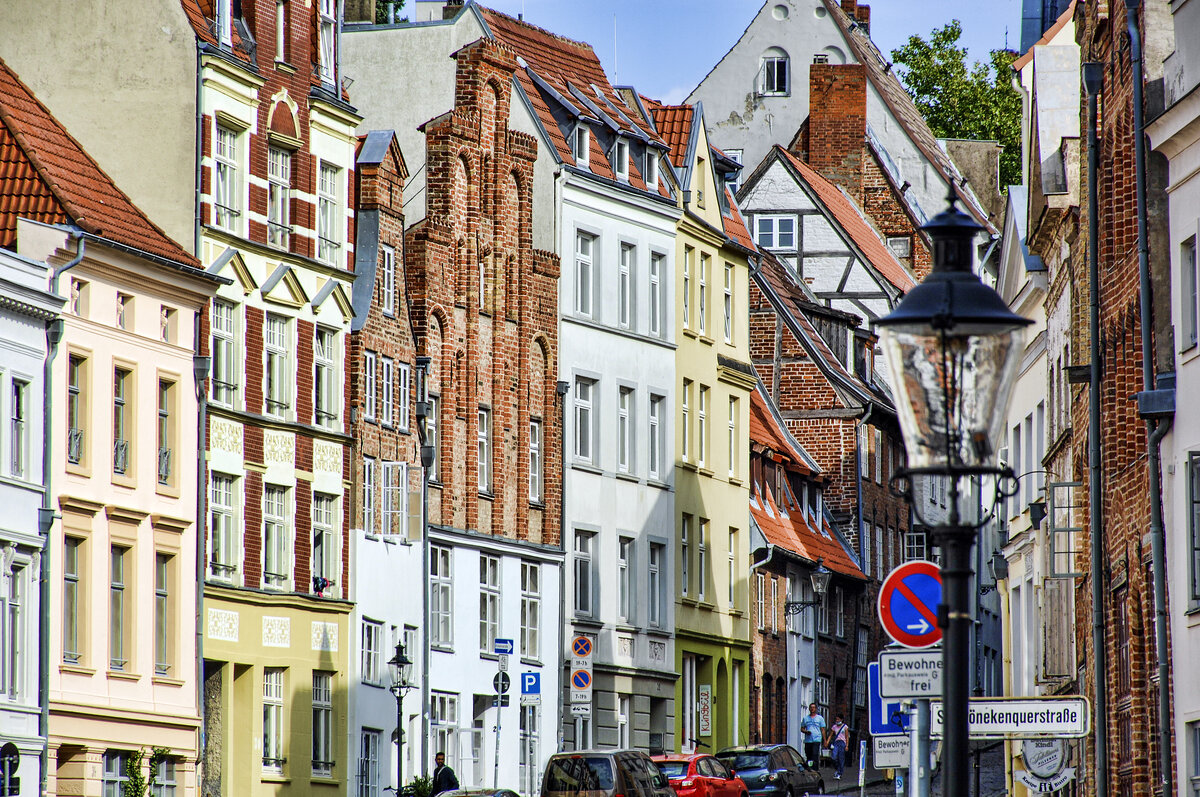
(839, 732)
(443, 776)
(813, 728)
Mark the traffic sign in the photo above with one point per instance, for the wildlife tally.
(501, 682)
(908, 604)
(581, 709)
(531, 683)
(502, 646)
(500, 700)
(910, 673)
(531, 700)
(581, 686)
(1020, 717)
(581, 647)
(885, 717)
(502, 662)
(890, 752)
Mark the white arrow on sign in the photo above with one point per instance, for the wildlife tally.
(921, 627)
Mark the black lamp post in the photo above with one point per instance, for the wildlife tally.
(401, 669)
(953, 347)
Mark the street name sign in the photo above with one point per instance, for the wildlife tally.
(890, 752)
(908, 604)
(910, 673)
(1020, 717)
(885, 717)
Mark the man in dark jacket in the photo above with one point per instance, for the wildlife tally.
(443, 777)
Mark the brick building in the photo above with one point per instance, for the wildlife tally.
(1129, 662)
(791, 536)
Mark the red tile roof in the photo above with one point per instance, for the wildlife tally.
(735, 224)
(1050, 33)
(853, 222)
(674, 123)
(46, 175)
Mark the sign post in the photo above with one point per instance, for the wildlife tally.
(503, 648)
(918, 764)
(581, 676)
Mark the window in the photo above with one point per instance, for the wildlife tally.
(581, 146)
(489, 601)
(329, 214)
(624, 712)
(536, 477)
(584, 431)
(372, 652)
(116, 767)
(395, 497)
(166, 430)
(72, 598)
(124, 315)
(734, 450)
(118, 616)
(688, 255)
(774, 604)
(77, 403)
(325, 363)
(227, 201)
(528, 769)
(685, 425)
(19, 430)
(733, 568)
(443, 717)
(280, 378)
(328, 38)
(624, 430)
(583, 572)
(369, 385)
(281, 21)
(322, 723)
(163, 613)
(483, 434)
(656, 444)
(279, 187)
(734, 155)
(225, 377)
(702, 428)
(776, 232)
(655, 598)
(702, 560)
(702, 305)
(823, 694)
(621, 159)
(760, 608)
(773, 72)
(440, 597)
(368, 495)
(368, 764)
(222, 542)
(685, 555)
(1193, 741)
(1188, 285)
(403, 388)
(1194, 524)
(164, 779)
(531, 609)
(78, 303)
(728, 306)
(272, 720)
(275, 537)
(823, 615)
(701, 173)
(901, 246)
(914, 545)
(839, 613)
(387, 405)
(584, 244)
(387, 282)
(625, 286)
(656, 268)
(12, 626)
(325, 560)
(651, 169)
(432, 438)
(121, 391)
(624, 554)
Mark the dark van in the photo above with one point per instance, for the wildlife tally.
(604, 773)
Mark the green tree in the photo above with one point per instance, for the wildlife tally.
(381, 11)
(976, 102)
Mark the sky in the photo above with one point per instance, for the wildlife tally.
(666, 47)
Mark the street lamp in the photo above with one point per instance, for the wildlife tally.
(953, 347)
(401, 669)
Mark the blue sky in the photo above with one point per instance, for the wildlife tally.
(665, 47)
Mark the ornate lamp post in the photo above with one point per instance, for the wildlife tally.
(401, 670)
(953, 348)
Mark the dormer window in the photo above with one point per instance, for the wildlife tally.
(223, 21)
(621, 159)
(580, 144)
(651, 169)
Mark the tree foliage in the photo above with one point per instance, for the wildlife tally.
(381, 11)
(976, 102)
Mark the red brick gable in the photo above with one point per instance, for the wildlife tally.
(48, 176)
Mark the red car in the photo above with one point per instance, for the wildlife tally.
(700, 775)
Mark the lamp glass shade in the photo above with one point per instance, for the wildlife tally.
(820, 581)
(401, 667)
(952, 387)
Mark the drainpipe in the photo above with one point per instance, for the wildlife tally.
(560, 390)
(427, 459)
(200, 369)
(1156, 427)
(46, 517)
(1093, 76)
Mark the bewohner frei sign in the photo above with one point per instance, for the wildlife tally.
(910, 673)
(1019, 717)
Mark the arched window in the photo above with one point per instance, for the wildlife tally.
(773, 73)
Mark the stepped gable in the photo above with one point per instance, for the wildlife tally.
(46, 175)
(852, 220)
(883, 78)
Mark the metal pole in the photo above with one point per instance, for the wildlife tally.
(399, 741)
(496, 764)
(427, 454)
(918, 750)
(954, 618)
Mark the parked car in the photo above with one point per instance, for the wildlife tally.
(700, 775)
(772, 770)
(603, 773)
(480, 793)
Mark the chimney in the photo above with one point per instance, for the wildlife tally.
(451, 9)
(858, 13)
(837, 123)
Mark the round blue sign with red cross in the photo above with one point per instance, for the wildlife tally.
(908, 604)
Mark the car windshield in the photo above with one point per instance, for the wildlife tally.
(579, 773)
(673, 769)
(742, 762)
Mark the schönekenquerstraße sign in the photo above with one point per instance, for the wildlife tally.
(1020, 717)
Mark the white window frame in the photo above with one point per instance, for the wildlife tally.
(688, 254)
(585, 251)
(327, 392)
(227, 182)
(733, 568)
(773, 66)
(651, 169)
(839, 612)
(728, 306)
(224, 538)
(120, 599)
(536, 463)
(276, 543)
(655, 585)
(388, 280)
(394, 509)
(489, 602)
(701, 559)
(702, 427)
(625, 268)
(760, 600)
(272, 720)
(702, 295)
(768, 233)
(18, 443)
(585, 420)
(330, 230)
(1189, 290)
(281, 31)
(655, 453)
(483, 438)
(277, 395)
(685, 555)
(656, 311)
(441, 590)
(328, 40)
(369, 483)
(581, 146)
(326, 533)
(685, 425)
(368, 766)
(322, 724)
(372, 663)
(164, 566)
(624, 430)
(13, 602)
(624, 578)
(734, 450)
(387, 405)
(223, 22)
(369, 385)
(531, 610)
(621, 159)
(225, 372)
(584, 559)
(403, 391)
(279, 195)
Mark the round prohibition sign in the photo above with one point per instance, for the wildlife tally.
(582, 646)
(581, 679)
(908, 604)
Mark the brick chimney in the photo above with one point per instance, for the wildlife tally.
(861, 14)
(837, 123)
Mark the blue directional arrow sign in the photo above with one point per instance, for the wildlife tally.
(886, 718)
(503, 647)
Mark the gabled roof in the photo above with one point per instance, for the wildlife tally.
(735, 223)
(901, 104)
(852, 221)
(46, 175)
